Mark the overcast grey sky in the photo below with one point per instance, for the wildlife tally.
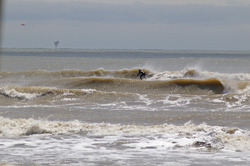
(128, 24)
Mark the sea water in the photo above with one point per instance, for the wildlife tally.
(88, 107)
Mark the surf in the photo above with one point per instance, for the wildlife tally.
(33, 84)
(177, 136)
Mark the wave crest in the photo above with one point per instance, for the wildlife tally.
(199, 136)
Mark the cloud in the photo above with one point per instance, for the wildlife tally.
(137, 12)
(95, 24)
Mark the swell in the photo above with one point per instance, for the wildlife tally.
(114, 84)
(210, 84)
(42, 83)
(31, 92)
(93, 85)
(125, 73)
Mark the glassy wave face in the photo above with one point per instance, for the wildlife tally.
(89, 107)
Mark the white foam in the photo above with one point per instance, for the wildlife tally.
(166, 75)
(156, 136)
(145, 99)
(70, 99)
(90, 91)
(15, 94)
(180, 100)
(198, 73)
(61, 143)
(234, 101)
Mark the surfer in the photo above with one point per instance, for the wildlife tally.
(142, 74)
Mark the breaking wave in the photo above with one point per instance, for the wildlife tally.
(81, 86)
(199, 136)
(74, 73)
(33, 84)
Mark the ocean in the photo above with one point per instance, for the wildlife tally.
(88, 107)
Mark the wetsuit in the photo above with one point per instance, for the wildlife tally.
(142, 73)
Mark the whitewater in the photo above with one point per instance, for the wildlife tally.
(88, 107)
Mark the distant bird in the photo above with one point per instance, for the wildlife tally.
(22, 25)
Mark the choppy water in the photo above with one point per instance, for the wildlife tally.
(88, 107)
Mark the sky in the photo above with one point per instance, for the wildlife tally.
(127, 24)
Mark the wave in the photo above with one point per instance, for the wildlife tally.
(82, 86)
(208, 84)
(33, 84)
(26, 93)
(125, 73)
(138, 86)
(199, 136)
